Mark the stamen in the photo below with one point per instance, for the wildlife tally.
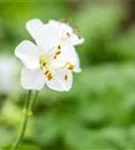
(44, 64)
(58, 52)
(66, 77)
(70, 66)
(48, 74)
(47, 71)
(42, 61)
(68, 34)
(59, 47)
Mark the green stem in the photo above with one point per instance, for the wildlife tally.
(25, 121)
(29, 104)
(33, 101)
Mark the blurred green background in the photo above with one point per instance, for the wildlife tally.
(99, 112)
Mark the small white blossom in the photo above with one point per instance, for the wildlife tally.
(50, 61)
(53, 34)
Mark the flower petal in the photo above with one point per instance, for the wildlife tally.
(45, 35)
(61, 80)
(73, 58)
(63, 27)
(70, 56)
(35, 28)
(75, 39)
(28, 53)
(66, 30)
(32, 79)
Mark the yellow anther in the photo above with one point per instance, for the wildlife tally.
(42, 61)
(47, 71)
(68, 34)
(66, 77)
(70, 66)
(59, 47)
(48, 74)
(58, 52)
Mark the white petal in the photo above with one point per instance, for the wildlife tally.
(65, 28)
(28, 53)
(70, 56)
(75, 39)
(35, 28)
(61, 80)
(51, 35)
(54, 22)
(45, 35)
(32, 79)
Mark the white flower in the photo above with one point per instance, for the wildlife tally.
(43, 66)
(52, 34)
(50, 61)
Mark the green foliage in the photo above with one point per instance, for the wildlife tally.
(102, 113)
(99, 112)
(22, 147)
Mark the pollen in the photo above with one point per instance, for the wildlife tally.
(42, 61)
(70, 66)
(48, 74)
(47, 71)
(68, 34)
(58, 52)
(66, 77)
(59, 47)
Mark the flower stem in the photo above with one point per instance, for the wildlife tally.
(33, 101)
(27, 113)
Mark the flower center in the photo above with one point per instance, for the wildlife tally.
(44, 65)
(43, 61)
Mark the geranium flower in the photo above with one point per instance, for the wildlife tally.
(49, 61)
(53, 34)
